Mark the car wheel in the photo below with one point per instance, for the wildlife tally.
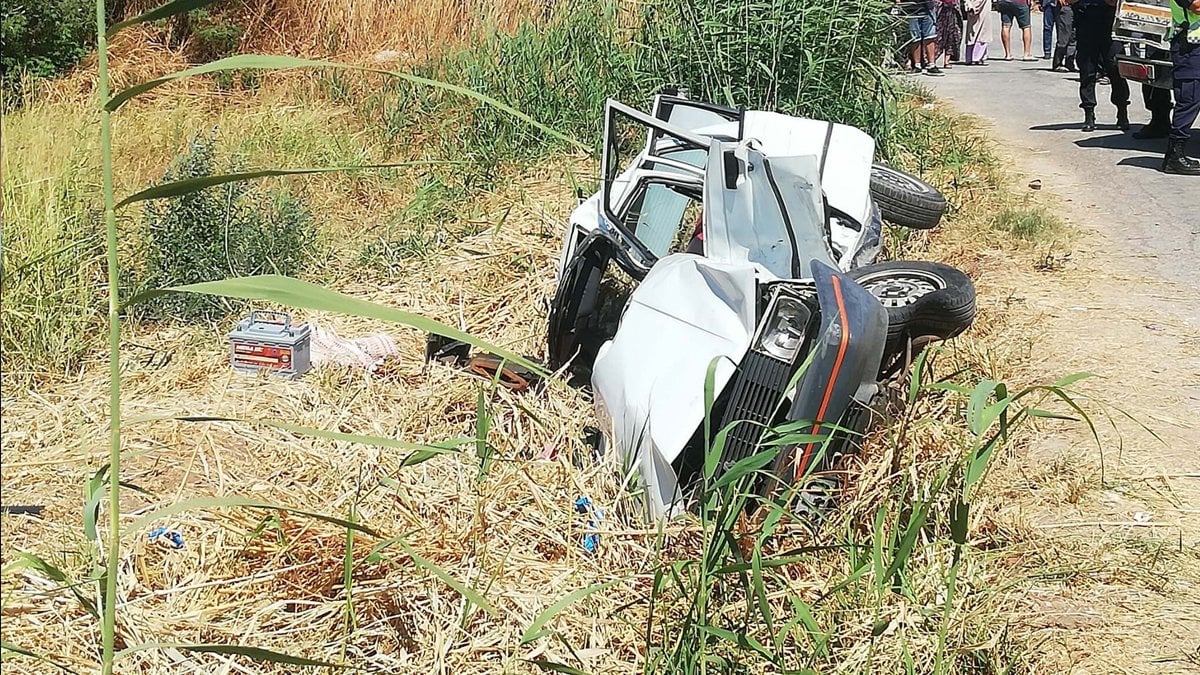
(921, 298)
(906, 200)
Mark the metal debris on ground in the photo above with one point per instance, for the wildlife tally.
(457, 354)
(15, 510)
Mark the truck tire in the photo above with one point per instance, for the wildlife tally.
(906, 200)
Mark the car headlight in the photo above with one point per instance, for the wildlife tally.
(782, 333)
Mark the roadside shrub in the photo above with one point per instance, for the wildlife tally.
(819, 58)
(213, 36)
(42, 38)
(559, 73)
(219, 232)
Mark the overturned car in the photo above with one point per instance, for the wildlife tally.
(745, 240)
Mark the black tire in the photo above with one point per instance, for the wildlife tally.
(571, 324)
(921, 298)
(906, 200)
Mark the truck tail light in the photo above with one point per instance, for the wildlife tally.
(1141, 72)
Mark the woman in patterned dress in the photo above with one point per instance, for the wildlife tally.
(949, 31)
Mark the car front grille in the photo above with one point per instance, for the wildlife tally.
(755, 394)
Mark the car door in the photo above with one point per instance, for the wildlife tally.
(768, 211)
(648, 190)
(650, 203)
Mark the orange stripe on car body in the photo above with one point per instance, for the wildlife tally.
(802, 460)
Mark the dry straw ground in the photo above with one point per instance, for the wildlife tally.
(278, 580)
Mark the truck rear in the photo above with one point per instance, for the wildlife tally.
(1145, 27)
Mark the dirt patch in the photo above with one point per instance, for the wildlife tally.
(1116, 523)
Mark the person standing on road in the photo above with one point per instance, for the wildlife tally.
(922, 28)
(1185, 75)
(949, 31)
(1097, 53)
(1049, 19)
(1018, 10)
(1158, 102)
(979, 31)
(1058, 21)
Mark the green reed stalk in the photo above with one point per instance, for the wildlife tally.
(108, 627)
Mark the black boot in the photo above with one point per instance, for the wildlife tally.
(1123, 118)
(1059, 54)
(1089, 120)
(1158, 127)
(1177, 160)
(1071, 64)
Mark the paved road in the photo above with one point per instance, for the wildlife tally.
(1110, 178)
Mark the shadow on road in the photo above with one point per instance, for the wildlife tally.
(1153, 162)
(1057, 126)
(1121, 142)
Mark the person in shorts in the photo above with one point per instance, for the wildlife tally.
(922, 28)
(1017, 10)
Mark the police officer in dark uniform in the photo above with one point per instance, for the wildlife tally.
(1185, 75)
(1096, 54)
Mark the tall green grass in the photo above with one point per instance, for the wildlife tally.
(562, 71)
(818, 58)
(50, 254)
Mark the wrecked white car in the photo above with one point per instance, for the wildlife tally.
(744, 239)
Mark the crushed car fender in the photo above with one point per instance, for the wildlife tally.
(687, 312)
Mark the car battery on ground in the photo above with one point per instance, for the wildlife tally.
(267, 341)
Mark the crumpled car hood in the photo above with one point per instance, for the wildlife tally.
(649, 379)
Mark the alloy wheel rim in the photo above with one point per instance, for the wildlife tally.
(900, 289)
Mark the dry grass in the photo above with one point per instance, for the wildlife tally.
(276, 580)
(512, 534)
(414, 29)
(400, 33)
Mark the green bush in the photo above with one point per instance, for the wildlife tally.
(818, 58)
(220, 232)
(559, 73)
(42, 38)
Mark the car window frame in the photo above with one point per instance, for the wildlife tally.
(635, 174)
(643, 182)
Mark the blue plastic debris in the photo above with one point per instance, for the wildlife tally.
(590, 540)
(168, 538)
